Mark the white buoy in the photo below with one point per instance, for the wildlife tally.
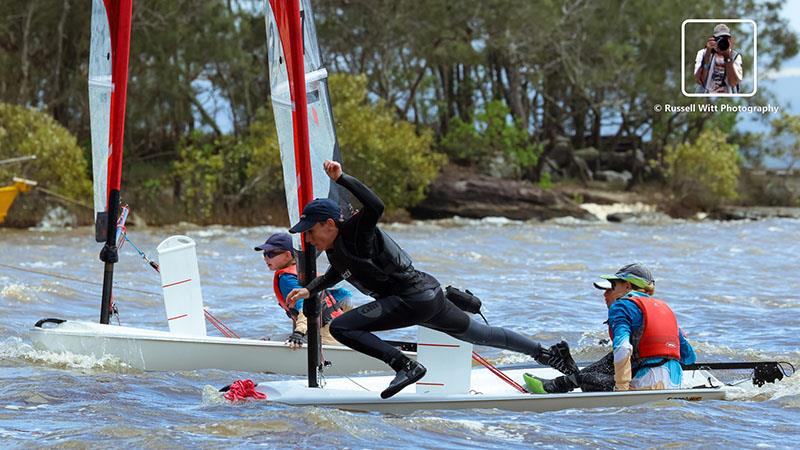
(180, 282)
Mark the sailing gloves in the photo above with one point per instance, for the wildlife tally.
(296, 340)
(559, 358)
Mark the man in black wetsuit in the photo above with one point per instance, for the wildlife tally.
(370, 260)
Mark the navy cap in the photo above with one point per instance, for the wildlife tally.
(317, 210)
(275, 242)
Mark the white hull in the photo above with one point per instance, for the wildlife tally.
(487, 391)
(163, 351)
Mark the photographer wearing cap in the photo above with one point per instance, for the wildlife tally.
(717, 67)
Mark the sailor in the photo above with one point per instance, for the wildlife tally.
(648, 348)
(279, 257)
(370, 260)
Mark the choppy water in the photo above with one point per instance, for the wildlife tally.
(734, 287)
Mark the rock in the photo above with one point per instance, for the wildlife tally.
(638, 217)
(583, 169)
(457, 192)
(755, 212)
(588, 154)
(619, 179)
(500, 167)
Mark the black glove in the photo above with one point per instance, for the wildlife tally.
(559, 358)
(296, 339)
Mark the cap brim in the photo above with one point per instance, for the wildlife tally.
(610, 277)
(722, 34)
(602, 285)
(302, 226)
(266, 248)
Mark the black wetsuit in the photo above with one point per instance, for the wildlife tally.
(596, 377)
(372, 262)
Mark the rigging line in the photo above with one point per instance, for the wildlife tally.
(78, 280)
(63, 198)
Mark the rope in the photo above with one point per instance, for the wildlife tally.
(64, 199)
(498, 372)
(227, 332)
(77, 280)
(224, 329)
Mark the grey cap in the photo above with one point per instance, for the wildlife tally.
(721, 30)
(637, 274)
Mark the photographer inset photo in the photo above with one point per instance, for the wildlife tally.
(725, 65)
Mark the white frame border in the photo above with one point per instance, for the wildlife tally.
(683, 57)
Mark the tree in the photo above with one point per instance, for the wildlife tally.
(703, 174)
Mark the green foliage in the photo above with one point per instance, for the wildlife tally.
(705, 173)
(59, 166)
(216, 174)
(786, 136)
(491, 134)
(545, 180)
(200, 172)
(384, 152)
(219, 173)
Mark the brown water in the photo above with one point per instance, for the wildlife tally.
(733, 285)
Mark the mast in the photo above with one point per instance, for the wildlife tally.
(289, 24)
(308, 256)
(111, 33)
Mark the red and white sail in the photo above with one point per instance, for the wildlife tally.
(301, 104)
(108, 81)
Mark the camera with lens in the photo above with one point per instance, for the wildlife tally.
(723, 42)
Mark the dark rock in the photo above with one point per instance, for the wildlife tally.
(620, 179)
(754, 212)
(638, 217)
(458, 192)
(588, 154)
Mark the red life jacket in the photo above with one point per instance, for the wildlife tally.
(659, 336)
(330, 308)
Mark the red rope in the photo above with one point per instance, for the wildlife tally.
(243, 389)
(227, 332)
(498, 372)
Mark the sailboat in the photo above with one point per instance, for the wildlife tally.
(186, 346)
(450, 382)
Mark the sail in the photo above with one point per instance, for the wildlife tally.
(322, 143)
(108, 79)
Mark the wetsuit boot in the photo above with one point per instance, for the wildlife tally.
(409, 372)
(558, 385)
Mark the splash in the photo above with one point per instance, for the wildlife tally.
(19, 292)
(603, 211)
(15, 348)
(786, 390)
(56, 219)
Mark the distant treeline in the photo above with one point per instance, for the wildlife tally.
(489, 80)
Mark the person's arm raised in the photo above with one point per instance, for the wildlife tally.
(373, 205)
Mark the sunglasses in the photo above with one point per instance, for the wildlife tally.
(273, 253)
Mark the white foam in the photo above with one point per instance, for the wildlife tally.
(56, 219)
(603, 211)
(14, 347)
